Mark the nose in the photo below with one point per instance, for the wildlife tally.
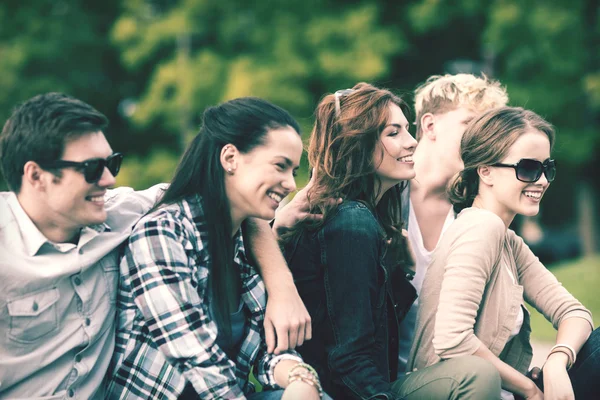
(409, 142)
(289, 183)
(107, 179)
(543, 181)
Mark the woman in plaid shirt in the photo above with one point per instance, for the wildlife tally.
(191, 307)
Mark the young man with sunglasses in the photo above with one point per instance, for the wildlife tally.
(60, 235)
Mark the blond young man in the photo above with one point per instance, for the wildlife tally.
(444, 106)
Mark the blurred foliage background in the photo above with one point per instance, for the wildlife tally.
(152, 66)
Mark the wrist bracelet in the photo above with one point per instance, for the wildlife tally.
(309, 375)
(572, 355)
(569, 365)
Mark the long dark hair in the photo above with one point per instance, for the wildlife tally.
(243, 122)
(341, 148)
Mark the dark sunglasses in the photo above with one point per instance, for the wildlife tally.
(92, 169)
(530, 171)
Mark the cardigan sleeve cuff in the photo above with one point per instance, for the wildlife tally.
(579, 313)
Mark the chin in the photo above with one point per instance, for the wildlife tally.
(408, 176)
(98, 218)
(267, 214)
(530, 211)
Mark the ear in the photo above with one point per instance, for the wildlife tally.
(34, 176)
(427, 125)
(229, 158)
(485, 174)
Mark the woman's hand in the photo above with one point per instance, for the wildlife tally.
(297, 210)
(557, 384)
(287, 321)
(300, 390)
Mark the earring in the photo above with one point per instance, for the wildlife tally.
(229, 171)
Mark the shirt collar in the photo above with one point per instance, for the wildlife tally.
(238, 244)
(31, 236)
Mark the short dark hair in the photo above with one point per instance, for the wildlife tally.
(38, 130)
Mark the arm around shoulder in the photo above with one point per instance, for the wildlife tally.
(287, 322)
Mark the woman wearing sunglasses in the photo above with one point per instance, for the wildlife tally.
(191, 306)
(472, 301)
(349, 267)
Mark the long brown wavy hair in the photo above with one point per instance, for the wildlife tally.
(341, 152)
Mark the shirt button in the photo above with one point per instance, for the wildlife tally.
(71, 393)
(78, 358)
(35, 306)
(88, 322)
(77, 281)
(80, 251)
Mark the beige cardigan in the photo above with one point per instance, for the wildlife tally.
(468, 297)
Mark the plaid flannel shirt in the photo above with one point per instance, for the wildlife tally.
(165, 335)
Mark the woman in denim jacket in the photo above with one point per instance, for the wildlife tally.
(349, 266)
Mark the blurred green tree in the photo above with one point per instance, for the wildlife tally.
(197, 53)
(59, 45)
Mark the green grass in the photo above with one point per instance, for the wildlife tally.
(252, 379)
(582, 279)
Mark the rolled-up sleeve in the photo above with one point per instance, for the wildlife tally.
(541, 288)
(479, 238)
(266, 363)
(159, 261)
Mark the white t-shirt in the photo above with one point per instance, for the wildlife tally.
(422, 261)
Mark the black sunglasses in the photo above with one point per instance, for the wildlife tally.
(530, 171)
(92, 169)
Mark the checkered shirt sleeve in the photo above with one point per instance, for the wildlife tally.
(172, 338)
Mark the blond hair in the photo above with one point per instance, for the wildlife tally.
(443, 93)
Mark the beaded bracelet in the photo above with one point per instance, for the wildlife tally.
(309, 375)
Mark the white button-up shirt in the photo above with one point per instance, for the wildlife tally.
(57, 300)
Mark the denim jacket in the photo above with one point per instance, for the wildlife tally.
(340, 274)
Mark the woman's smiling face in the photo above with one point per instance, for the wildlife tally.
(264, 176)
(511, 195)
